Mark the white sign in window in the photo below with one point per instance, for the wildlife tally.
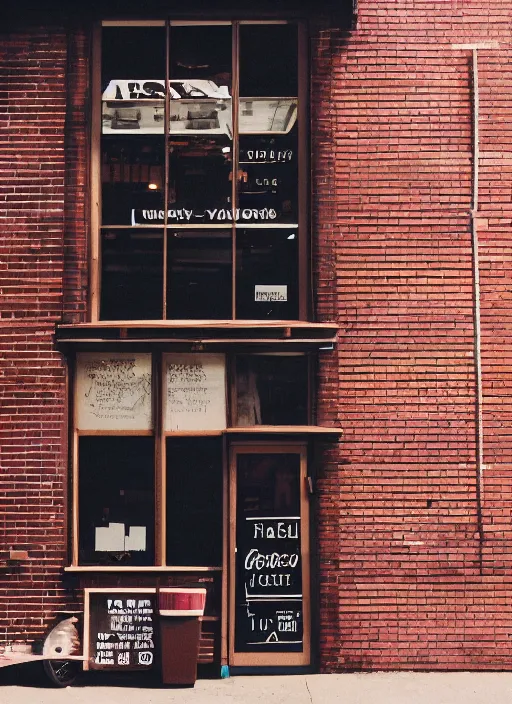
(113, 391)
(195, 392)
(266, 294)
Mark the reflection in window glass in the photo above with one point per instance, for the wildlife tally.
(132, 179)
(268, 179)
(194, 517)
(132, 155)
(271, 390)
(200, 122)
(199, 180)
(267, 485)
(267, 277)
(199, 274)
(181, 175)
(201, 52)
(116, 507)
(132, 274)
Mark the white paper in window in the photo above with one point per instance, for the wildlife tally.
(113, 391)
(266, 294)
(195, 392)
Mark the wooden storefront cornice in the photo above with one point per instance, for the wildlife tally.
(199, 333)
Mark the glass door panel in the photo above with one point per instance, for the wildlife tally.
(270, 557)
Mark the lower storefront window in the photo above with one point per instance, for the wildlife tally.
(185, 462)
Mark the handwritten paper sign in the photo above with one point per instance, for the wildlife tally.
(195, 394)
(269, 600)
(113, 391)
(121, 630)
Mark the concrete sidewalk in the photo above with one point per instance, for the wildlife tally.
(372, 688)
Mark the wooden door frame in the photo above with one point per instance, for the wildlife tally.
(258, 659)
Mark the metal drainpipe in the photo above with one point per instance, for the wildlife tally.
(479, 431)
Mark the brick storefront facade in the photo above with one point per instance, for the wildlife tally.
(413, 505)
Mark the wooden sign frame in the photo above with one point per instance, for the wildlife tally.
(87, 615)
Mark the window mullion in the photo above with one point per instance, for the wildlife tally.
(160, 459)
(167, 112)
(305, 278)
(235, 98)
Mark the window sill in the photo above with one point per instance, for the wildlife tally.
(138, 568)
(284, 430)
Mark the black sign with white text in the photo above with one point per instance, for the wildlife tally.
(121, 630)
(269, 590)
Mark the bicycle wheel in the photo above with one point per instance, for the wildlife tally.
(61, 673)
(62, 640)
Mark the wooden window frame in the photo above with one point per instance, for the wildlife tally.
(303, 225)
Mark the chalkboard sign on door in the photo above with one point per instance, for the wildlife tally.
(271, 616)
(120, 629)
(269, 613)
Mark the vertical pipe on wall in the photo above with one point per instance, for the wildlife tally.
(476, 305)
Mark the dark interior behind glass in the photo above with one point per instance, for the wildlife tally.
(194, 501)
(116, 487)
(272, 389)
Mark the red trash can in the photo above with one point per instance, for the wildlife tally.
(180, 609)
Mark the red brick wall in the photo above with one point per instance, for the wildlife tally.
(42, 177)
(406, 581)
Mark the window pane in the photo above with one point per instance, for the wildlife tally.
(200, 122)
(132, 180)
(268, 60)
(272, 390)
(133, 80)
(116, 508)
(194, 501)
(199, 274)
(268, 178)
(199, 179)
(267, 278)
(130, 53)
(132, 275)
(133, 92)
(113, 391)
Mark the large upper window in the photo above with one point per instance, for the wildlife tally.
(199, 141)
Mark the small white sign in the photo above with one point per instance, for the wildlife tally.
(136, 538)
(109, 538)
(270, 294)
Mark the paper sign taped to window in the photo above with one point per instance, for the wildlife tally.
(136, 538)
(113, 391)
(195, 396)
(109, 538)
(270, 294)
